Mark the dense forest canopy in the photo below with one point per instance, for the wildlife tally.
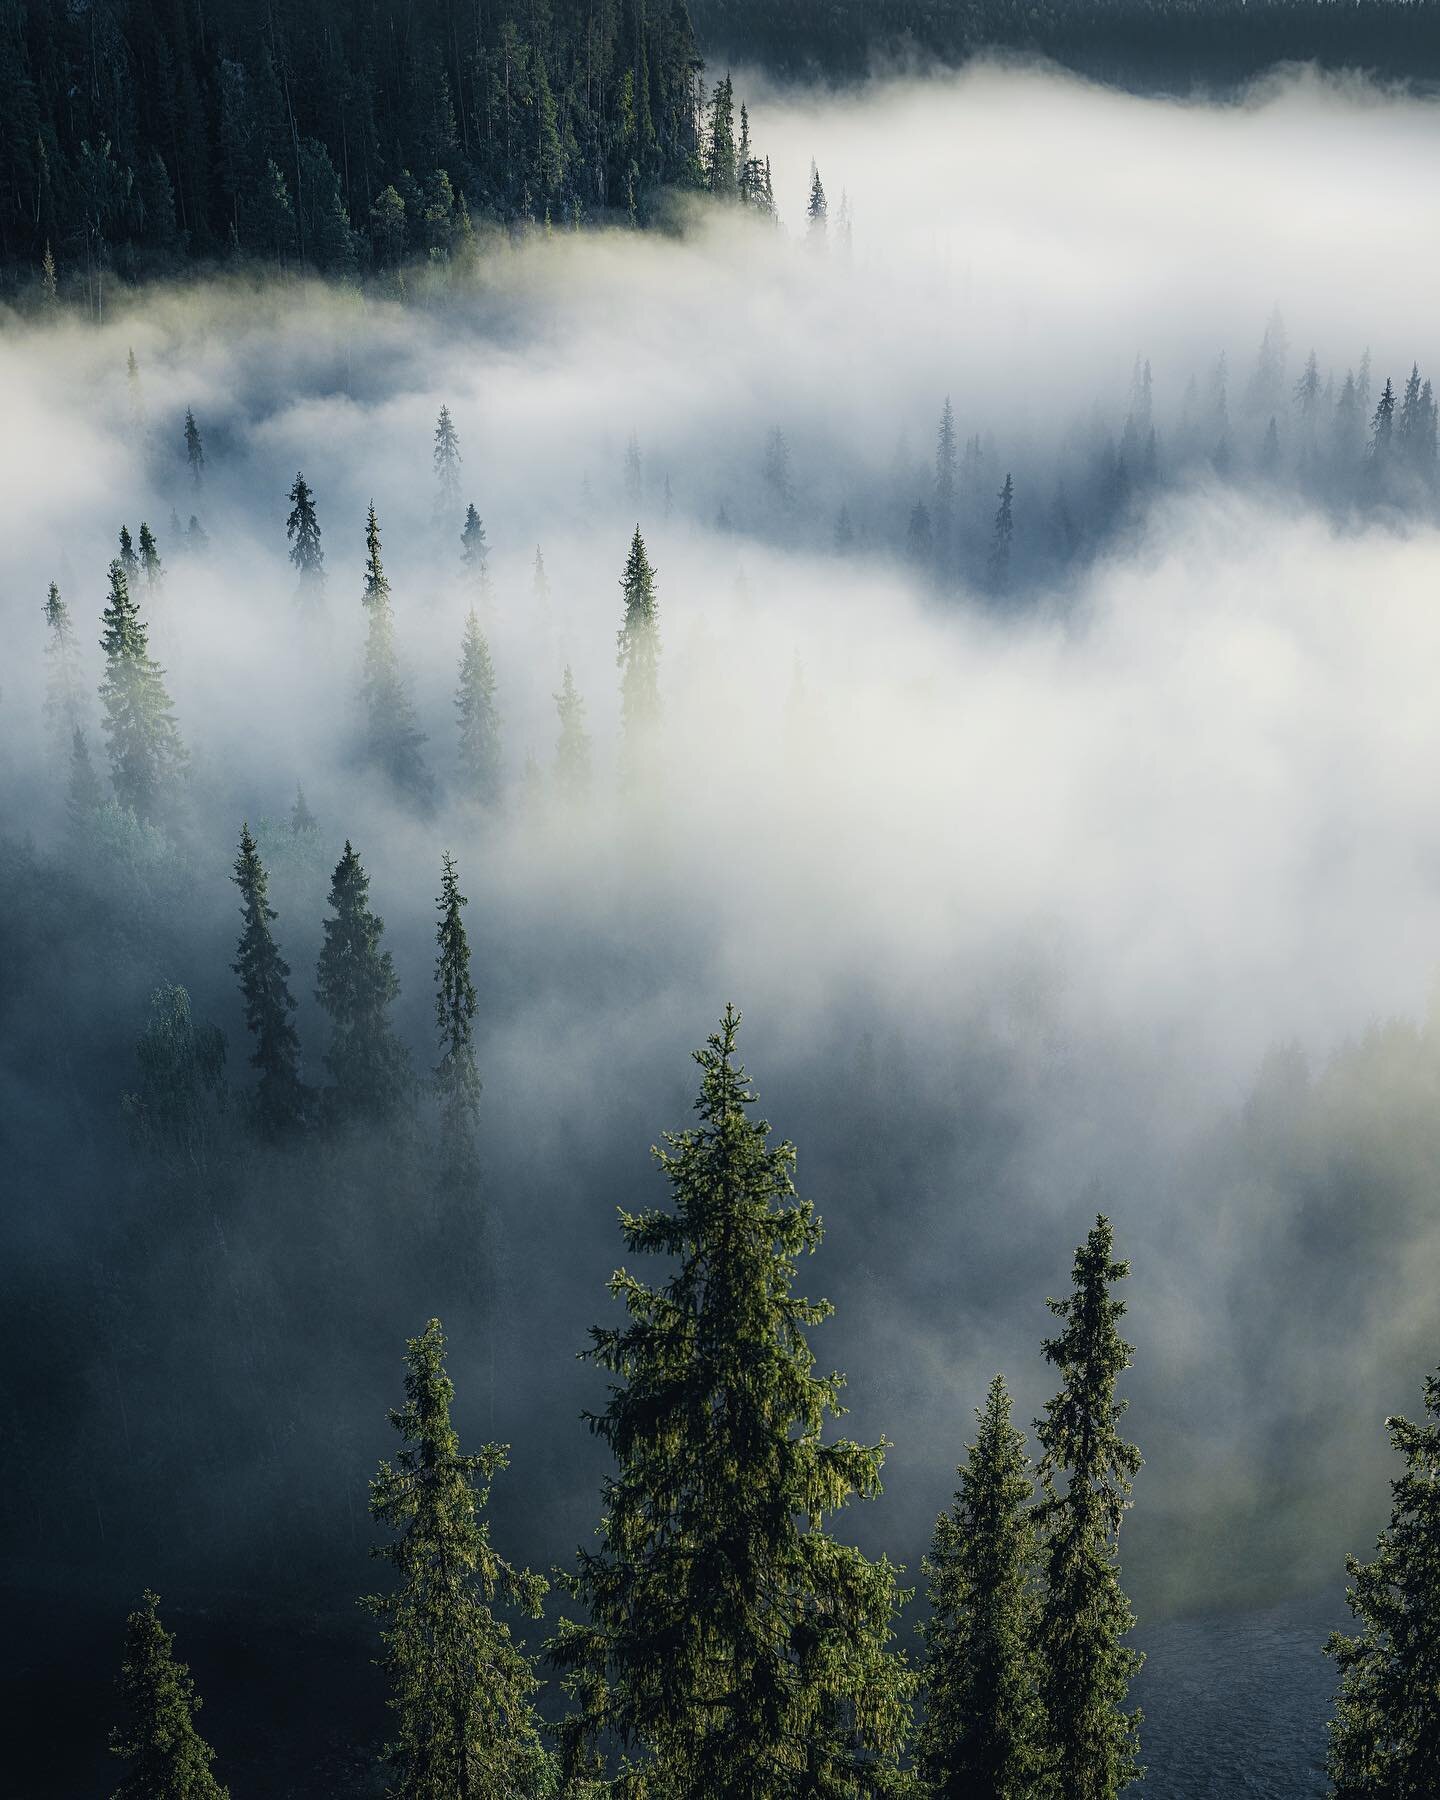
(143, 129)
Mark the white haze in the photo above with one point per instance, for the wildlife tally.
(1144, 829)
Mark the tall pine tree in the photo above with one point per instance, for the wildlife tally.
(1086, 1470)
(140, 730)
(1385, 1735)
(461, 1689)
(355, 983)
(281, 1097)
(166, 1756)
(733, 1647)
(637, 658)
(150, 560)
(457, 1080)
(475, 553)
(572, 751)
(302, 527)
(447, 461)
(983, 1731)
(479, 720)
(393, 741)
(194, 449)
(65, 708)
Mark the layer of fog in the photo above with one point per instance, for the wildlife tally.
(1043, 882)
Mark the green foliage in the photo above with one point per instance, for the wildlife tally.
(140, 730)
(461, 1689)
(168, 1758)
(356, 983)
(302, 527)
(280, 1098)
(720, 154)
(478, 718)
(64, 692)
(732, 1646)
(194, 449)
(475, 553)
(637, 656)
(447, 461)
(1085, 1616)
(1004, 533)
(150, 560)
(457, 1080)
(175, 1112)
(393, 741)
(983, 1732)
(1385, 1735)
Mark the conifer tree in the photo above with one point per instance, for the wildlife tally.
(355, 983)
(447, 461)
(64, 704)
(457, 1080)
(392, 739)
(302, 527)
(83, 794)
(638, 655)
(1385, 1735)
(540, 581)
(1004, 532)
(182, 1081)
(1382, 426)
(141, 735)
(280, 1098)
(302, 821)
(479, 720)
(947, 461)
(462, 1691)
(720, 154)
(129, 561)
(150, 560)
(167, 1757)
(816, 211)
(572, 752)
(475, 552)
(919, 539)
(983, 1731)
(197, 538)
(1086, 1473)
(634, 470)
(732, 1646)
(194, 449)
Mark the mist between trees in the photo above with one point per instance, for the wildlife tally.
(1046, 767)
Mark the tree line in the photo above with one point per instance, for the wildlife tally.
(720, 1640)
(138, 133)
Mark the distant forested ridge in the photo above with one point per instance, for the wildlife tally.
(1169, 45)
(136, 132)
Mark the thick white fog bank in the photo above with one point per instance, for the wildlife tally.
(1083, 846)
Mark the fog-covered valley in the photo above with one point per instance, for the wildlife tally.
(1044, 762)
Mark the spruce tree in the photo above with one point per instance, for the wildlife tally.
(1385, 1735)
(637, 656)
(150, 560)
(457, 1080)
(475, 553)
(947, 462)
(355, 983)
(280, 1098)
(462, 1691)
(141, 735)
(447, 461)
(64, 704)
(540, 581)
(194, 449)
(1086, 1473)
(129, 561)
(1382, 426)
(167, 1757)
(572, 751)
(983, 1733)
(732, 1646)
(816, 211)
(302, 527)
(83, 794)
(720, 153)
(303, 822)
(392, 739)
(1001, 541)
(479, 720)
